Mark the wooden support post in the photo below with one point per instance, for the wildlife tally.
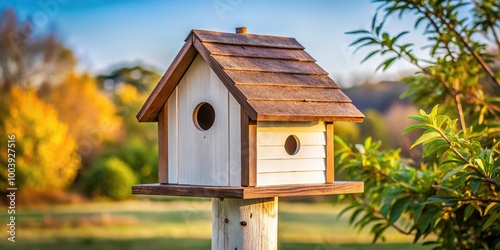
(245, 224)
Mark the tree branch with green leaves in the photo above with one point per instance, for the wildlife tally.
(454, 195)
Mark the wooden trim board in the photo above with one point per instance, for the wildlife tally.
(163, 145)
(339, 187)
(330, 157)
(248, 151)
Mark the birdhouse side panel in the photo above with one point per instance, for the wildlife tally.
(291, 153)
(203, 127)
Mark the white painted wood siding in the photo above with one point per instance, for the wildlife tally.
(289, 165)
(203, 156)
(276, 167)
(283, 178)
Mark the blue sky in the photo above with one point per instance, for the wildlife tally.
(106, 34)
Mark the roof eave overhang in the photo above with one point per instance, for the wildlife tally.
(166, 85)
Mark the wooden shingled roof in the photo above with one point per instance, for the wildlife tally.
(271, 77)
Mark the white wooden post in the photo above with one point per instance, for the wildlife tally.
(245, 224)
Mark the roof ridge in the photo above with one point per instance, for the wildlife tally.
(245, 34)
(268, 58)
(287, 86)
(206, 36)
(298, 100)
(281, 72)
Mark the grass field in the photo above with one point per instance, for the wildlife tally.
(178, 224)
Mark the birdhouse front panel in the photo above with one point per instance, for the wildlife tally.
(291, 153)
(203, 131)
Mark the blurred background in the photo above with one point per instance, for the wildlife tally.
(73, 75)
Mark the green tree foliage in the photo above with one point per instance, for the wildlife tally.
(454, 196)
(46, 154)
(129, 88)
(374, 126)
(347, 131)
(139, 77)
(110, 178)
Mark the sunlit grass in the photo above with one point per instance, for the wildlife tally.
(179, 224)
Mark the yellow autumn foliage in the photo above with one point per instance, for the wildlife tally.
(45, 153)
(88, 112)
(127, 94)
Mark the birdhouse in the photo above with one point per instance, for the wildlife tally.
(246, 116)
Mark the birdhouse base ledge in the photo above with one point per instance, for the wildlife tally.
(338, 187)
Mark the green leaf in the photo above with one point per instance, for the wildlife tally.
(440, 120)
(415, 126)
(428, 136)
(479, 162)
(386, 208)
(377, 235)
(374, 21)
(433, 146)
(378, 29)
(418, 22)
(453, 172)
(362, 39)
(475, 186)
(418, 118)
(354, 32)
(398, 208)
(468, 212)
(399, 35)
(425, 221)
(490, 220)
(418, 211)
(368, 142)
(417, 236)
(355, 214)
(452, 161)
(370, 55)
(434, 112)
(386, 64)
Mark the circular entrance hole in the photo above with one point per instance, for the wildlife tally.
(204, 116)
(292, 145)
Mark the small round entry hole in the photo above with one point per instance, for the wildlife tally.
(204, 116)
(292, 145)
